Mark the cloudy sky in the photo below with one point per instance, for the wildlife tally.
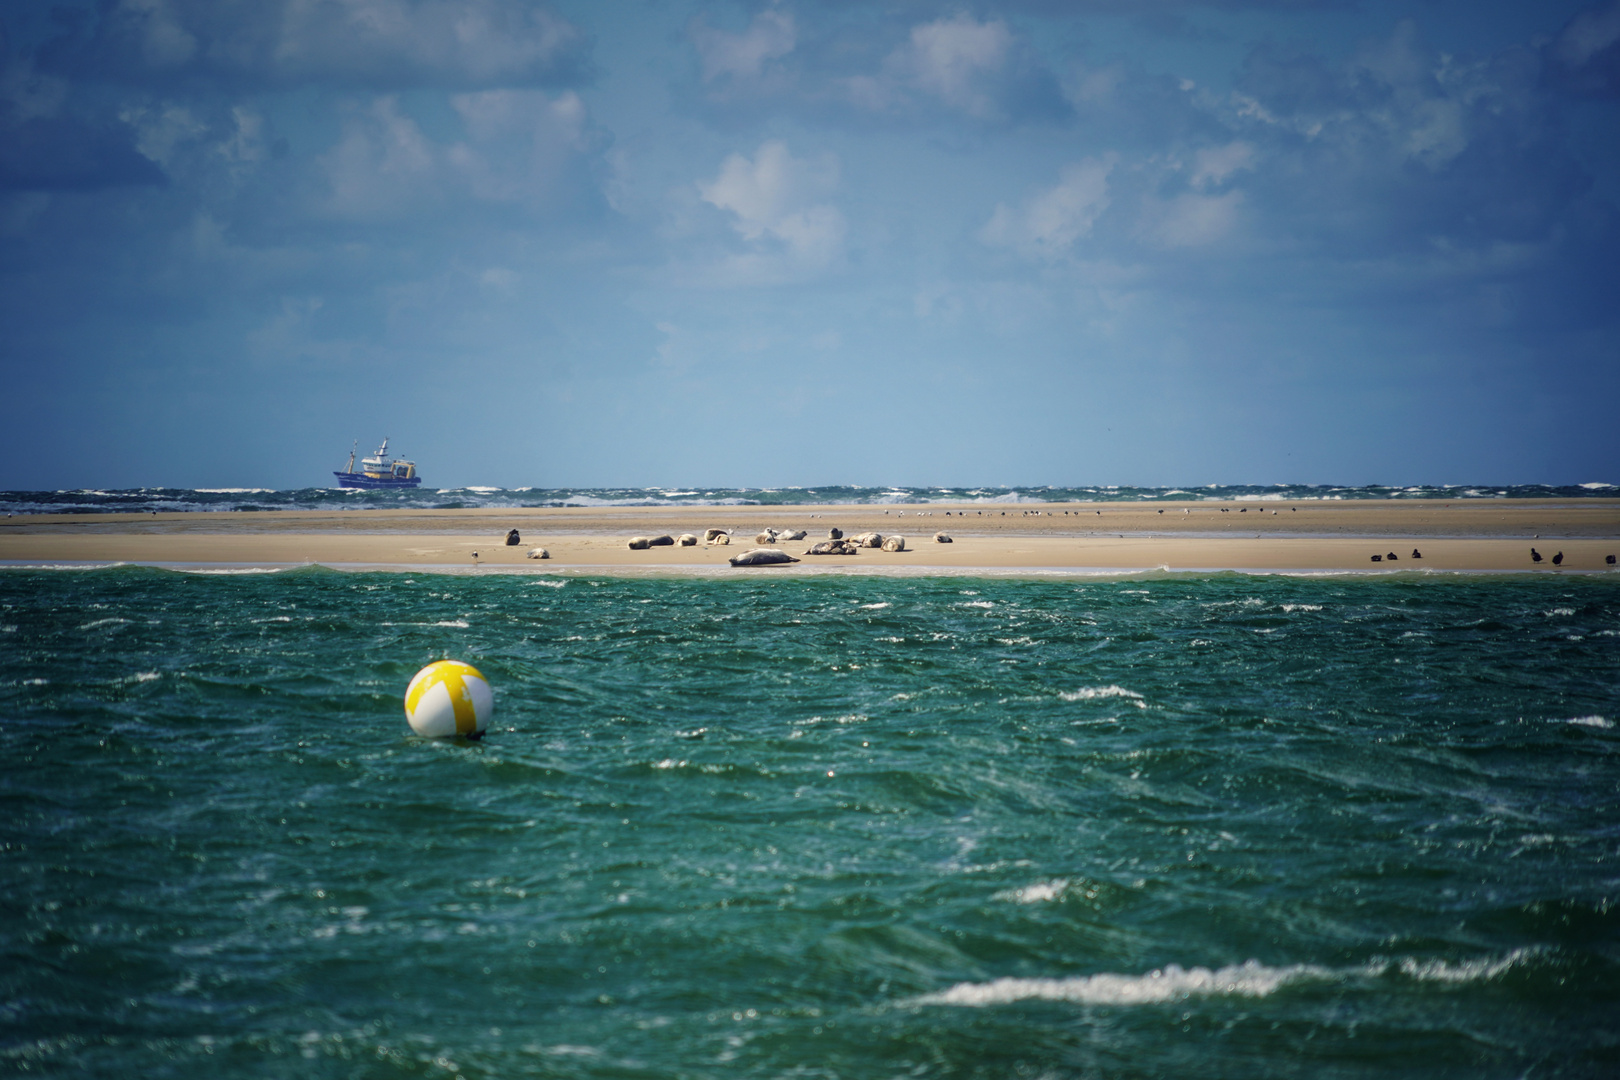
(670, 243)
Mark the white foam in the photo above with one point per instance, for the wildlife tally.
(1173, 983)
(1559, 611)
(459, 624)
(1590, 721)
(549, 583)
(1039, 893)
(1302, 607)
(1595, 486)
(979, 603)
(103, 622)
(875, 607)
(1093, 693)
(1466, 971)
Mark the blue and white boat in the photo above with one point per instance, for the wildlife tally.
(378, 471)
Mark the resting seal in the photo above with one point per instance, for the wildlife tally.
(761, 557)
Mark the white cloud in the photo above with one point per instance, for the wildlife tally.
(770, 36)
(1213, 165)
(519, 141)
(773, 203)
(949, 59)
(1191, 220)
(1049, 223)
(518, 144)
(945, 58)
(160, 130)
(379, 42)
(1588, 34)
(381, 164)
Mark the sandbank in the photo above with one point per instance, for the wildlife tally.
(1480, 535)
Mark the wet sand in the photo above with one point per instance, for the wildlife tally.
(1482, 535)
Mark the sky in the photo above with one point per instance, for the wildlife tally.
(626, 243)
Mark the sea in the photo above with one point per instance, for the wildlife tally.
(1139, 825)
(162, 499)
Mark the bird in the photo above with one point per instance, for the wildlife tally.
(1535, 556)
(475, 558)
(1392, 556)
(1558, 559)
(1609, 559)
(1416, 554)
(1377, 558)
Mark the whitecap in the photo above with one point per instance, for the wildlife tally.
(1590, 721)
(103, 622)
(1559, 611)
(1302, 607)
(459, 624)
(1039, 893)
(1596, 486)
(979, 603)
(1092, 693)
(550, 583)
(1173, 983)
(875, 607)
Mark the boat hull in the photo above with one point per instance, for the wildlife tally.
(361, 480)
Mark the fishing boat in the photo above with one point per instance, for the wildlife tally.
(378, 471)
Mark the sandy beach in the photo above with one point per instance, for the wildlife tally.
(1485, 535)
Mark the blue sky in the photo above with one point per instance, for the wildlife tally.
(600, 244)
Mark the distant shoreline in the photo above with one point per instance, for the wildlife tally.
(1473, 535)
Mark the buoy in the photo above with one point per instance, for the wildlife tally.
(449, 698)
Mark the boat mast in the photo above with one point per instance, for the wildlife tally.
(352, 450)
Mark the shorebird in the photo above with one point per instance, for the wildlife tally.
(475, 558)
(1416, 554)
(1535, 556)
(1392, 557)
(1609, 559)
(1558, 559)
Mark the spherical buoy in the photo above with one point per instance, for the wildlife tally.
(449, 698)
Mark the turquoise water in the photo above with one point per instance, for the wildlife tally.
(1222, 826)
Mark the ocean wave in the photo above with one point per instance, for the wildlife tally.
(1172, 983)
(1093, 693)
(1249, 979)
(485, 496)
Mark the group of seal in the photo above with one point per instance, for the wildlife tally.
(835, 544)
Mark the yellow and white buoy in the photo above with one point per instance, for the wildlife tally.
(449, 698)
